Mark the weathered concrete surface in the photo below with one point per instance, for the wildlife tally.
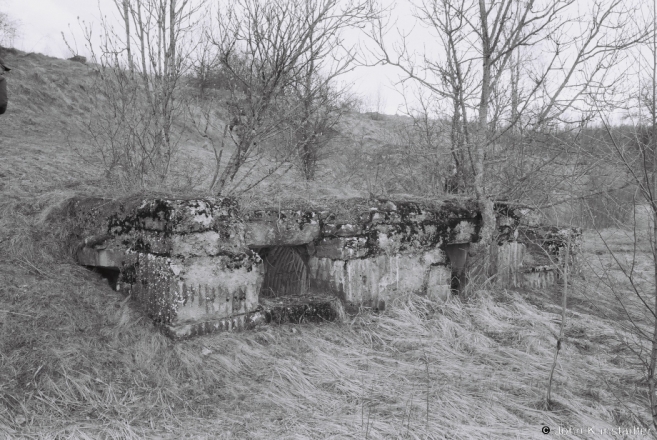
(368, 281)
(99, 257)
(342, 248)
(191, 265)
(360, 227)
(184, 262)
(439, 283)
(533, 255)
(539, 277)
(510, 257)
(285, 310)
(298, 310)
(286, 227)
(198, 328)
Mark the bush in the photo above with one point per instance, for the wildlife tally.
(78, 59)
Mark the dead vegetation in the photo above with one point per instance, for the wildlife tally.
(80, 362)
(77, 361)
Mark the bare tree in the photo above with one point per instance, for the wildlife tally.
(475, 58)
(631, 151)
(269, 49)
(8, 29)
(140, 72)
(321, 107)
(377, 103)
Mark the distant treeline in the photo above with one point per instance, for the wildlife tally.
(618, 158)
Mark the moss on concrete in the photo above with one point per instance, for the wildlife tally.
(205, 242)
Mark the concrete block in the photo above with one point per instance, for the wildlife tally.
(207, 243)
(344, 230)
(510, 257)
(113, 258)
(370, 280)
(539, 279)
(174, 291)
(280, 233)
(439, 283)
(342, 248)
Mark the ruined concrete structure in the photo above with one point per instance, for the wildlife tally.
(199, 266)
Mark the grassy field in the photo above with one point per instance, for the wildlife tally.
(78, 361)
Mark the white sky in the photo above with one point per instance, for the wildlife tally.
(41, 23)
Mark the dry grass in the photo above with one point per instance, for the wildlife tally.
(77, 361)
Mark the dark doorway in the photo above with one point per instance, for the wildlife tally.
(111, 274)
(286, 271)
(457, 254)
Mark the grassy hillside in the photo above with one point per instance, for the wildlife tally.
(78, 361)
(43, 132)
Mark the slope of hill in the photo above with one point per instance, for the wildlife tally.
(45, 127)
(77, 361)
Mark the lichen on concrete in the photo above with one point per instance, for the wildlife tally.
(193, 264)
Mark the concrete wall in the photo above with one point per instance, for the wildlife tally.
(376, 281)
(193, 265)
(535, 257)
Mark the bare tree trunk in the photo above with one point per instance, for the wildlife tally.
(126, 20)
(564, 304)
(142, 47)
(481, 144)
(217, 157)
(515, 79)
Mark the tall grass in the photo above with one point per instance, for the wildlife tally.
(77, 361)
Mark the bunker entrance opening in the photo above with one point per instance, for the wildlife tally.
(457, 254)
(111, 274)
(286, 271)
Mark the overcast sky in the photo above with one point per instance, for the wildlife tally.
(41, 23)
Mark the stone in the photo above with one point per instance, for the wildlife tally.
(369, 280)
(279, 233)
(111, 258)
(439, 284)
(194, 265)
(510, 257)
(341, 248)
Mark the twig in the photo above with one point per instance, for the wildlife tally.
(39, 271)
(563, 323)
(217, 157)
(426, 363)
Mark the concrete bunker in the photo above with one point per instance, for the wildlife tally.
(204, 265)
